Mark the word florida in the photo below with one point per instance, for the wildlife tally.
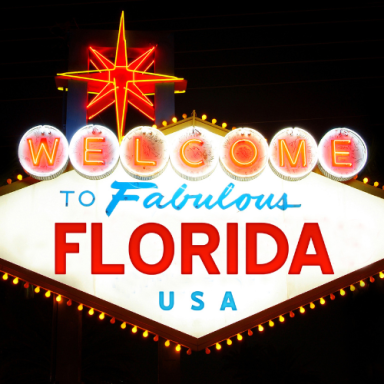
(190, 251)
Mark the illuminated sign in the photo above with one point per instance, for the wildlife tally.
(193, 251)
(342, 154)
(94, 151)
(293, 153)
(43, 152)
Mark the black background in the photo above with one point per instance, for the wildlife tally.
(317, 66)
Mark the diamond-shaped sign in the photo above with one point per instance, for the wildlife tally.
(159, 279)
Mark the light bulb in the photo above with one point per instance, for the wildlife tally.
(302, 309)
(261, 328)
(332, 296)
(19, 177)
(164, 123)
(322, 301)
(174, 119)
(229, 342)
(167, 343)
(376, 184)
(101, 316)
(204, 117)
(271, 323)
(154, 126)
(218, 346)
(291, 314)
(189, 352)
(184, 116)
(91, 311)
(145, 334)
(233, 128)
(69, 302)
(214, 121)
(250, 333)
(112, 321)
(239, 337)
(312, 306)
(156, 338)
(26, 285)
(178, 347)
(48, 293)
(372, 279)
(80, 307)
(281, 318)
(342, 292)
(134, 329)
(381, 275)
(15, 280)
(365, 180)
(58, 298)
(5, 276)
(37, 289)
(207, 351)
(362, 283)
(224, 125)
(352, 288)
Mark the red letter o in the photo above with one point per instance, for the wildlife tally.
(134, 248)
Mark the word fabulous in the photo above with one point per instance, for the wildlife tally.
(189, 252)
(193, 153)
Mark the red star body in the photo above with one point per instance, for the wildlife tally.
(121, 82)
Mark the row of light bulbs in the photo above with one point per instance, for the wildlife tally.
(301, 309)
(91, 312)
(239, 336)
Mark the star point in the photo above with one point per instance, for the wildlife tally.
(121, 83)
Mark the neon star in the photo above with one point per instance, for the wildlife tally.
(121, 82)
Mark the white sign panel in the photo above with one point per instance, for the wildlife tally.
(138, 241)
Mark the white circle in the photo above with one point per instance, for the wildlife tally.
(291, 140)
(356, 158)
(201, 144)
(244, 172)
(94, 152)
(43, 152)
(144, 153)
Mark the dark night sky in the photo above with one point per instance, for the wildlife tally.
(317, 66)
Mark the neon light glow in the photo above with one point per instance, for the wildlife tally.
(293, 154)
(88, 151)
(342, 154)
(244, 154)
(193, 152)
(43, 148)
(43, 152)
(130, 82)
(144, 153)
(245, 146)
(284, 150)
(336, 153)
(138, 161)
(94, 152)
